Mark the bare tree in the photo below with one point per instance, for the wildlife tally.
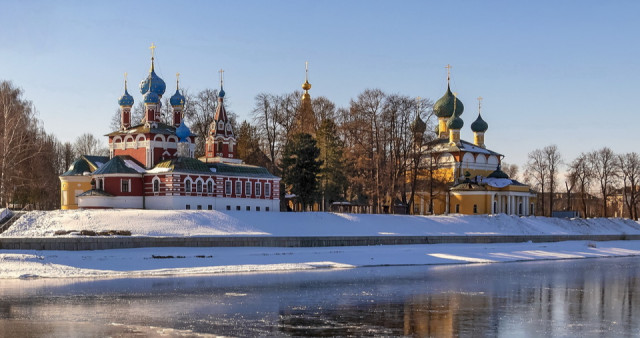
(629, 169)
(537, 171)
(87, 144)
(512, 170)
(553, 161)
(581, 171)
(603, 163)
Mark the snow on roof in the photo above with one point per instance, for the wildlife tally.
(497, 182)
(99, 164)
(133, 165)
(157, 170)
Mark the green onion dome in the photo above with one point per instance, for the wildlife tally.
(479, 125)
(418, 126)
(498, 174)
(455, 122)
(444, 106)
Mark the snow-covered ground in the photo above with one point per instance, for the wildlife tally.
(171, 261)
(141, 262)
(242, 223)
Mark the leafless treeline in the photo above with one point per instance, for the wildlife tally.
(597, 183)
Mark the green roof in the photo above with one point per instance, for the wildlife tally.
(241, 170)
(479, 125)
(96, 161)
(185, 164)
(77, 168)
(444, 106)
(116, 166)
(455, 122)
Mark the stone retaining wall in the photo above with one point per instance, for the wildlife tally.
(102, 243)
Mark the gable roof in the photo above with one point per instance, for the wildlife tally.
(119, 165)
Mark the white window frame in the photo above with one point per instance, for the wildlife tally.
(199, 186)
(209, 186)
(153, 183)
(128, 185)
(267, 189)
(247, 188)
(188, 185)
(227, 188)
(238, 188)
(258, 189)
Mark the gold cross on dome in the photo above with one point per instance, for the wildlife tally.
(221, 71)
(177, 79)
(153, 49)
(448, 67)
(125, 79)
(479, 103)
(306, 71)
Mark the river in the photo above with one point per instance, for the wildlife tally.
(567, 298)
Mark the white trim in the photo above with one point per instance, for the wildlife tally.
(188, 179)
(258, 189)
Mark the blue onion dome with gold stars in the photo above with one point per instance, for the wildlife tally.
(455, 122)
(183, 131)
(479, 125)
(151, 97)
(126, 99)
(444, 106)
(177, 99)
(153, 82)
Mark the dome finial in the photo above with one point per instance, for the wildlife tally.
(306, 85)
(153, 50)
(177, 81)
(125, 81)
(479, 104)
(221, 92)
(448, 67)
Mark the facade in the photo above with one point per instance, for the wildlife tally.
(151, 164)
(469, 173)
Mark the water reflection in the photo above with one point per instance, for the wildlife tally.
(593, 297)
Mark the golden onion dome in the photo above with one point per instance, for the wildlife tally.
(306, 85)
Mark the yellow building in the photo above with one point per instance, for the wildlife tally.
(469, 174)
(77, 180)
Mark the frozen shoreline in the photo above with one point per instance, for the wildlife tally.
(154, 262)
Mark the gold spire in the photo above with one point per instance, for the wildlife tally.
(125, 81)
(153, 50)
(177, 81)
(448, 67)
(306, 85)
(479, 104)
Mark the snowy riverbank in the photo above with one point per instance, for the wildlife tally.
(147, 262)
(238, 223)
(183, 261)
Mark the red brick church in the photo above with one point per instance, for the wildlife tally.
(151, 164)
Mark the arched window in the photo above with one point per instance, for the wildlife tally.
(475, 208)
(209, 187)
(187, 185)
(199, 186)
(156, 185)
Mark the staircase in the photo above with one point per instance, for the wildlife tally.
(12, 217)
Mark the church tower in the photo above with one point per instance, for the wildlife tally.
(152, 88)
(455, 123)
(177, 103)
(479, 127)
(125, 102)
(305, 118)
(447, 106)
(221, 142)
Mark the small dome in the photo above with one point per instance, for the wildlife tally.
(221, 92)
(126, 99)
(306, 96)
(151, 97)
(455, 122)
(77, 168)
(444, 106)
(418, 126)
(177, 99)
(157, 84)
(479, 125)
(306, 85)
(183, 131)
(498, 174)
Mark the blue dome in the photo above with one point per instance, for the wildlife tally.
(157, 84)
(183, 131)
(151, 97)
(221, 92)
(177, 99)
(126, 99)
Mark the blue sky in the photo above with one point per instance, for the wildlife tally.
(550, 72)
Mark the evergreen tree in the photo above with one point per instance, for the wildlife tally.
(248, 147)
(333, 181)
(300, 168)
